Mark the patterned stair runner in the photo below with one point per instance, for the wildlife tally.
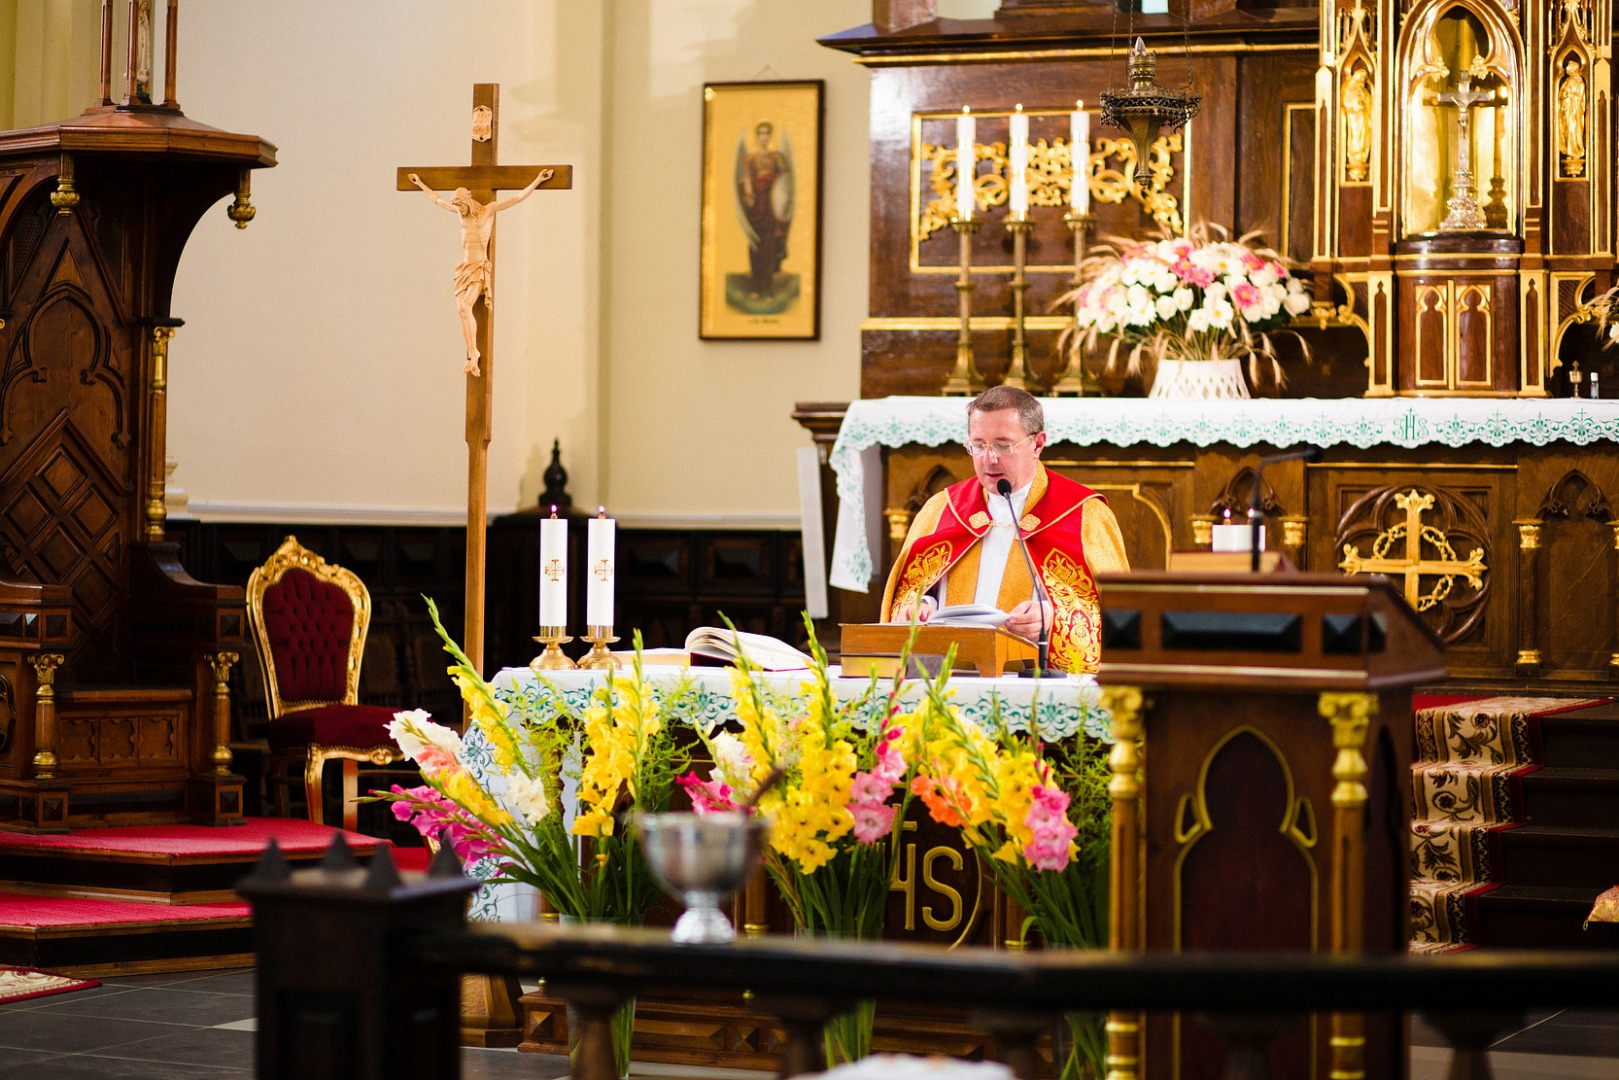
(1469, 752)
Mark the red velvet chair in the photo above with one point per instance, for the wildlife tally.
(309, 621)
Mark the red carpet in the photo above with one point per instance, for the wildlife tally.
(21, 909)
(191, 841)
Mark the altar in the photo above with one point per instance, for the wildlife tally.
(1515, 481)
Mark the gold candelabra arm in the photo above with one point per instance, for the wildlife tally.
(1017, 370)
(964, 379)
(1074, 380)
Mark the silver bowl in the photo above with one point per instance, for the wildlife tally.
(702, 858)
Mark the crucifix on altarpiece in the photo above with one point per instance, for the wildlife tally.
(474, 188)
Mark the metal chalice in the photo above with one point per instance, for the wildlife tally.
(703, 859)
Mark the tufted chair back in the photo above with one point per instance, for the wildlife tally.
(310, 620)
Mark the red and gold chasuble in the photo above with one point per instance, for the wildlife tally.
(1052, 526)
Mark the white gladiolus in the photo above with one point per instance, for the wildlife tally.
(1215, 292)
(732, 761)
(526, 795)
(1264, 276)
(415, 731)
(1137, 296)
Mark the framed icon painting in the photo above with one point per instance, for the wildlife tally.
(761, 247)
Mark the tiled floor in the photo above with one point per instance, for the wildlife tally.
(199, 1026)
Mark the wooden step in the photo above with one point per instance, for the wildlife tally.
(100, 937)
(1587, 739)
(1541, 917)
(1560, 856)
(1569, 796)
(159, 865)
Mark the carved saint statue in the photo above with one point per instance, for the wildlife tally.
(474, 274)
(1571, 119)
(1357, 113)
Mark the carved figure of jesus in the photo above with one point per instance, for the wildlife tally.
(474, 274)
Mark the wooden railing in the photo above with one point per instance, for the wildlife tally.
(359, 978)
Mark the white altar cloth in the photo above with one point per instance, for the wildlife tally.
(1406, 422)
(1059, 708)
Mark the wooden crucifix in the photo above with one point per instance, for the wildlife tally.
(473, 198)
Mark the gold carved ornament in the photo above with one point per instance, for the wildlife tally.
(1414, 567)
(1050, 177)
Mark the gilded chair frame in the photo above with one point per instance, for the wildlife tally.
(292, 555)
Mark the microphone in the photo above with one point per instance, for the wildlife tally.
(1004, 486)
(1256, 512)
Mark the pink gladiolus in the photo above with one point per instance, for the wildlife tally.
(441, 818)
(890, 759)
(711, 796)
(1053, 835)
(868, 787)
(872, 821)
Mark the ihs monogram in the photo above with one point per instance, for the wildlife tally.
(604, 570)
(553, 569)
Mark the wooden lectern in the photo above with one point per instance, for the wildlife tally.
(875, 648)
(1267, 806)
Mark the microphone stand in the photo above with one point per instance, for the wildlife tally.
(1043, 643)
(1256, 511)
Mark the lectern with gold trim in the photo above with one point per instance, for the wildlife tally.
(1265, 808)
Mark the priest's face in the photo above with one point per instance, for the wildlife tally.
(1003, 427)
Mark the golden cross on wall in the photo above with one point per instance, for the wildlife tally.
(553, 569)
(1414, 567)
(604, 570)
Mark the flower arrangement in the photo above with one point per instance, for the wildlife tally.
(1039, 819)
(1191, 298)
(831, 793)
(589, 868)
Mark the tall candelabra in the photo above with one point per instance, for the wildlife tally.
(965, 379)
(1075, 380)
(1017, 370)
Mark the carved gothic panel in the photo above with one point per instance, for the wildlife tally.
(1433, 541)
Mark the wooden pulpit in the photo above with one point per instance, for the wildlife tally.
(1266, 806)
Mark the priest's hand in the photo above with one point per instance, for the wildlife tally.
(1025, 619)
(920, 610)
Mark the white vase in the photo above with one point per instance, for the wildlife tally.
(1199, 380)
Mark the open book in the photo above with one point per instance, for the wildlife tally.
(713, 643)
(968, 615)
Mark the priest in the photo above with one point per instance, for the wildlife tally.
(962, 548)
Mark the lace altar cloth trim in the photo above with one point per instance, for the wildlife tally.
(701, 697)
(1403, 422)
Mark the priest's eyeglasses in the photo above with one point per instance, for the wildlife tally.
(999, 449)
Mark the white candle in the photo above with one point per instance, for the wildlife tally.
(966, 163)
(1018, 151)
(599, 568)
(553, 571)
(1079, 145)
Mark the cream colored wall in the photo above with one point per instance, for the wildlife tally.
(318, 374)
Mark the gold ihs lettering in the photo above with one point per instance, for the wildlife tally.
(941, 888)
(905, 884)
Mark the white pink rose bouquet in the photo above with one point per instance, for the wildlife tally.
(1190, 297)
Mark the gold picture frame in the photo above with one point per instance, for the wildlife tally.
(761, 234)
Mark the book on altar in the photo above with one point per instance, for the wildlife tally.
(716, 645)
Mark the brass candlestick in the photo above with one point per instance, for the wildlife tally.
(553, 658)
(599, 659)
(1075, 380)
(965, 379)
(1018, 374)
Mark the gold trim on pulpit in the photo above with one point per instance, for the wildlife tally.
(1350, 715)
(1126, 705)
